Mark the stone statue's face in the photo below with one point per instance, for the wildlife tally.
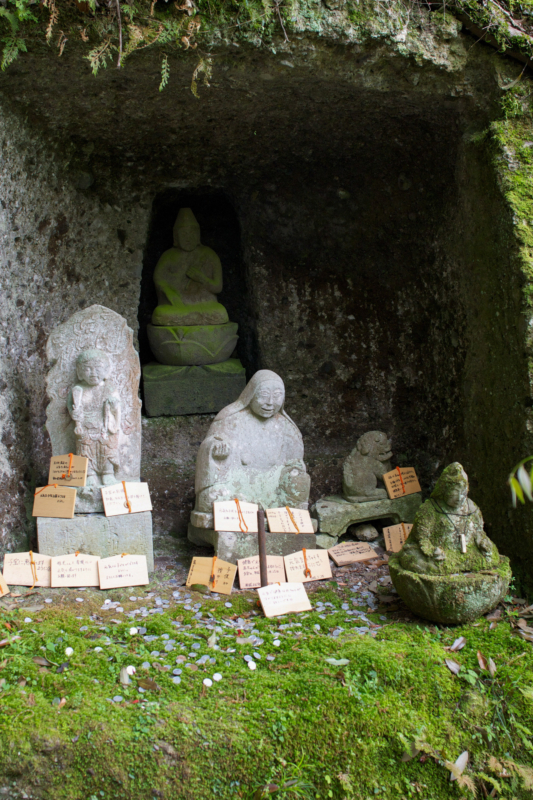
(93, 372)
(456, 496)
(267, 400)
(188, 237)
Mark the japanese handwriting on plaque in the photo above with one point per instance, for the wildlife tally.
(126, 498)
(250, 574)
(289, 520)
(232, 515)
(395, 536)
(76, 569)
(4, 588)
(54, 501)
(307, 565)
(283, 599)
(123, 570)
(19, 571)
(69, 470)
(350, 552)
(401, 481)
(203, 570)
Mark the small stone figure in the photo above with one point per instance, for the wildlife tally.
(447, 534)
(253, 451)
(449, 570)
(94, 405)
(188, 278)
(368, 462)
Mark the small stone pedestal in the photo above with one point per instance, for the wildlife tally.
(335, 514)
(230, 546)
(174, 391)
(98, 535)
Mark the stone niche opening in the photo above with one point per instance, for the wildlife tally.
(220, 231)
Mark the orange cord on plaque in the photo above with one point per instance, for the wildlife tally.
(48, 486)
(289, 512)
(307, 571)
(241, 518)
(212, 578)
(401, 479)
(126, 496)
(33, 567)
(70, 457)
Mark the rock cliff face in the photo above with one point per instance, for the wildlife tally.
(367, 215)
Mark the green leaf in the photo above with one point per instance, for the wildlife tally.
(12, 18)
(517, 491)
(525, 482)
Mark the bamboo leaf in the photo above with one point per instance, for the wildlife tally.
(516, 489)
(525, 482)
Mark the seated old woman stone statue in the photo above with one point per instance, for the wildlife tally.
(253, 451)
(189, 326)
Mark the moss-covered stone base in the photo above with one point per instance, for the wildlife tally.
(451, 599)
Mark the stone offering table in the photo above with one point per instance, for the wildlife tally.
(335, 514)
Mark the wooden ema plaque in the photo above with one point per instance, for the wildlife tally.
(350, 552)
(69, 470)
(123, 570)
(401, 481)
(316, 561)
(237, 516)
(4, 588)
(126, 498)
(289, 520)
(54, 501)
(204, 569)
(19, 570)
(250, 574)
(77, 569)
(396, 536)
(286, 598)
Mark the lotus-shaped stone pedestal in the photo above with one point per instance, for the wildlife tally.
(192, 345)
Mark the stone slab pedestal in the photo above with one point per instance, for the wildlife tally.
(335, 514)
(173, 391)
(230, 546)
(97, 535)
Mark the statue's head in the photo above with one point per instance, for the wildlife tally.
(186, 230)
(375, 444)
(268, 396)
(452, 486)
(92, 367)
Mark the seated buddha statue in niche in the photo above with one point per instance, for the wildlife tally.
(188, 278)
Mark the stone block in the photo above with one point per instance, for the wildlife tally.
(97, 535)
(230, 546)
(335, 514)
(173, 391)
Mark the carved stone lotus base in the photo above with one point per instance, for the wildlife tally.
(192, 345)
(174, 391)
(97, 535)
(451, 599)
(230, 546)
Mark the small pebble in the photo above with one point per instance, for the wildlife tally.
(131, 670)
(69, 651)
(118, 698)
(97, 649)
(217, 677)
(252, 665)
(119, 610)
(257, 656)
(28, 619)
(133, 631)
(207, 682)
(177, 671)
(79, 599)
(196, 646)
(276, 642)
(106, 602)
(146, 665)
(229, 605)
(154, 653)
(248, 658)
(176, 679)
(141, 690)
(271, 658)
(133, 599)
(48, 600)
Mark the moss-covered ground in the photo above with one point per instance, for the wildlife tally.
(385, 721)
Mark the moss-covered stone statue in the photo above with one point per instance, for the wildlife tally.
(449, 570)
(189, 326)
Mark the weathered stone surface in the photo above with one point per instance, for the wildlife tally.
(230, 546)
(97, 535)
(365, 466)
(335, 514)
(171, 391)
(451, 599)
(188, 278)
(253, 451)
(194, 344)
(94, 409)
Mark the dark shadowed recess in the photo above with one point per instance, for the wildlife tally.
(220, 230)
